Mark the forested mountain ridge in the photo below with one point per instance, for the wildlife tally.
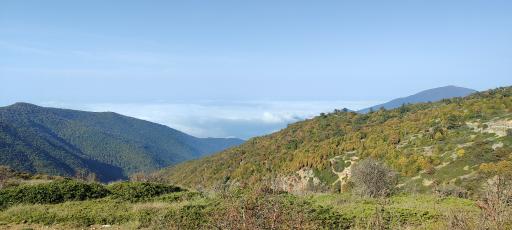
(447, 143)
(430, 95)
(108, 145)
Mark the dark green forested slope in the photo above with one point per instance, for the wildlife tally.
(431, 144)
(112, 146)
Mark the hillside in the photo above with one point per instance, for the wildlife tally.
(430, 95)
(446, 143)
(107, 145)
(43, 202)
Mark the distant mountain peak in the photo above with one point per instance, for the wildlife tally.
(429, 95)
(22, 104)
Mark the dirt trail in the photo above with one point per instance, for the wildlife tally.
(344, 175)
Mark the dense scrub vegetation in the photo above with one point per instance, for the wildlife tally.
(51, 193)
(432, 146)
(256, 207)
(138, 191)
(102, 146)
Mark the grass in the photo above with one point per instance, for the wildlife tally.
(69, 204)
(192, 210)
(77, 213)
(413, 211)
(74, 204)
(106, 211)
(138, 191)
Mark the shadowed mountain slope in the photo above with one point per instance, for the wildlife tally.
(108, 145)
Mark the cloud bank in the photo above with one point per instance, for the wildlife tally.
(243, 119)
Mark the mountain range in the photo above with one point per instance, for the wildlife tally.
(111, 146)
(430, 95)
(105, 145)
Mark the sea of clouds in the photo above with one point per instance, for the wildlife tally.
(241, 119)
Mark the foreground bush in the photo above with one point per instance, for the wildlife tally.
(263, 208)
(51, 193)
(139, 191)
(179, 196)
(373, 178)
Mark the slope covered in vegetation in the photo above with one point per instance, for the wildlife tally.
(41, 202)
(60, 203)
(431, 145)
(85, 144)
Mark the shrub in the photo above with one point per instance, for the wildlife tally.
(140, 191)
(179, 196)
(376, 220)
(373, 179)
(190, 216)
(6, 173)
(459, 220)
(496, 203)
(451, 190)
(264, 208)
(51, 193)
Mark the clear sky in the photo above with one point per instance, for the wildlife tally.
(158, 59)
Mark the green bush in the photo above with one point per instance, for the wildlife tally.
(451, 190)
(74, 213)
(51, 193)
(327, 218)
(191, 216)
(179, 196)
(140, 191)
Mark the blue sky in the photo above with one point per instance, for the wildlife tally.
(266, 63)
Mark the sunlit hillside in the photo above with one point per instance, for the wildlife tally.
(431, 145)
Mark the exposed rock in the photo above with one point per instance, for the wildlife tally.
(427, 182)
(343, 176)
(416, 177)
(497, 145)
(444, 164)
(498, 127)
(302, 181)
(469, 175)
(460, 146)
(428, 151)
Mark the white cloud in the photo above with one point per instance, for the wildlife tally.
(223, 119)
